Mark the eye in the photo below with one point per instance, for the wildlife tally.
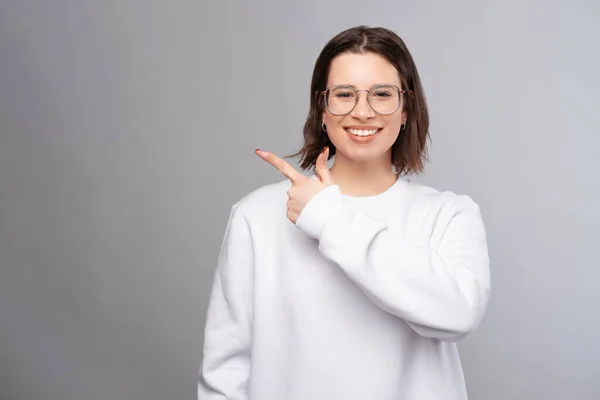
(344, 94)
(382, 93)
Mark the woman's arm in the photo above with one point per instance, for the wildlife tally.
(227, 339)
(441, 292)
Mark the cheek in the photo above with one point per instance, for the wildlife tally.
(335, 130)
(394, 123)
(333, 121)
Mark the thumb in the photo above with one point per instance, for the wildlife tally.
(322, 169)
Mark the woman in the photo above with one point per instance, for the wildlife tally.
(354, 282)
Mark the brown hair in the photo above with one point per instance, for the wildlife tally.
(410, 149)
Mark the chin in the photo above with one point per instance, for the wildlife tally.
(362, 155)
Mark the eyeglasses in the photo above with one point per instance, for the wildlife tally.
(383, 99)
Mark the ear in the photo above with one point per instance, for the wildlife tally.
(404, 117)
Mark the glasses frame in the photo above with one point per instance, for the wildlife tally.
(400, 91)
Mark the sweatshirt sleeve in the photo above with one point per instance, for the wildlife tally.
(441, 291)
(226, 354)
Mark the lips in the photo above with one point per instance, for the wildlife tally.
(362, 136)
(362, 132)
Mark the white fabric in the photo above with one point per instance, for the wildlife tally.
(364, 298)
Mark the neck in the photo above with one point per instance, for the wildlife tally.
(363, 178)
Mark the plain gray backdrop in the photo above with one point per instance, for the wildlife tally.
(128, 130)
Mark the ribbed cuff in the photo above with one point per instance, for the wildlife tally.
(319, 209)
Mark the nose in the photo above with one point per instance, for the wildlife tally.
(363, 109)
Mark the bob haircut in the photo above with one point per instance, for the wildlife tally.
(409, 151)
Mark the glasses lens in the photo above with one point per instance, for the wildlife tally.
(385, 99)
(341, 99)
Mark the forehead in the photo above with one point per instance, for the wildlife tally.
(361, 70)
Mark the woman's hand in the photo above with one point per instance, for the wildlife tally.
(303, 188)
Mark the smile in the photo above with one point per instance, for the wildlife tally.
(362, 132)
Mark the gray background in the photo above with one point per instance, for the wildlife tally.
(128, 130)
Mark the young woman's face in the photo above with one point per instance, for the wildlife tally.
(363, 134)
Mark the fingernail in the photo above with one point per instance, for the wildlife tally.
(324, 149)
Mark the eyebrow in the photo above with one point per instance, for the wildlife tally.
(376, 84)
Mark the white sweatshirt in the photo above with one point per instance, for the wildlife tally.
(364, 298)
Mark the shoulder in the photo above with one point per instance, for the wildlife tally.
(427, 198)
(261, 202)
(434, 214)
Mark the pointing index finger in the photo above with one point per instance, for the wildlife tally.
(282, 166)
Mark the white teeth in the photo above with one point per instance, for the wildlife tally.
(360, 132)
